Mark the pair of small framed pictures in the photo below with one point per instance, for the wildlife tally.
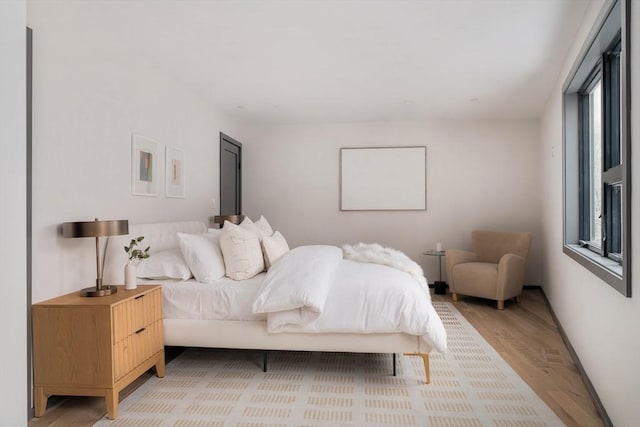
(146, 164)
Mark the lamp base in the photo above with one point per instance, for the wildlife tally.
(95, 292)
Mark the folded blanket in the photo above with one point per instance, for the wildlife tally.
(378, 254)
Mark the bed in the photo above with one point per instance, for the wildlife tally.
(191, 320)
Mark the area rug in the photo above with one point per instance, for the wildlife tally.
(471, 386)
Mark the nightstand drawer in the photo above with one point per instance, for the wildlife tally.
(137, 348)
(136, 313)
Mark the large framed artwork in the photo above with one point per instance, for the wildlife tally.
(383, 178)
(174, 173)
(145, 165)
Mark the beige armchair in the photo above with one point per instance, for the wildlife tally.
(494, 270)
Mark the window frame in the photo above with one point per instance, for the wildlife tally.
(612, 267)
(585, 166)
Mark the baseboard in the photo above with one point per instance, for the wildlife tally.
(431, 285)
(528, 287)
(585, 378)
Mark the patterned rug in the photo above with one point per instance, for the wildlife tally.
(471, 386)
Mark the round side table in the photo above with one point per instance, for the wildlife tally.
(440, 287)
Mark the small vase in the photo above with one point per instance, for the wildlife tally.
(130, 281)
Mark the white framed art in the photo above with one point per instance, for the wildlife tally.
(174, 173)
(145, 163)
(383, 178)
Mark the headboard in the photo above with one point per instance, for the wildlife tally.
(160, 236)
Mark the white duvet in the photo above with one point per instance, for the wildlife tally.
(313, 289)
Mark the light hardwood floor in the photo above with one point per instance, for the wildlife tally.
(523, 333)
(526, 336)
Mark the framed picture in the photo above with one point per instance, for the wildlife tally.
(174, 173)
(144, 166)
(383, 178)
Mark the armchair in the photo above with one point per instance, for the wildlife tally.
(494, 270)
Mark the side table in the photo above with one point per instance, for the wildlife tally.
(96, 346)
(440, 287)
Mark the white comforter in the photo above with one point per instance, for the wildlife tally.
(313, 289)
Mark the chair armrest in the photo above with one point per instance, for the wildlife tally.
(511, 271)
(457, 256)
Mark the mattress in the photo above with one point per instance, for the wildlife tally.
(224, 299)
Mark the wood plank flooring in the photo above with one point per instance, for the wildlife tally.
(524, 334)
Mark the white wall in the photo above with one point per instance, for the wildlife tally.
(479, 175)
(88, 100)
(602, 325)
(13, 214)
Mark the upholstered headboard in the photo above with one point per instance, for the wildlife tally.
(160, 236)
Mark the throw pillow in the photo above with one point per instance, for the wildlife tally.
(169, 264)
(264, 227)
(260, 227)
(241, 251)
(203, 255)
(273, 248)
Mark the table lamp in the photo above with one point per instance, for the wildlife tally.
(96, 229)
(234, 219)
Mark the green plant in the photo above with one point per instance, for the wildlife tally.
(136, 254)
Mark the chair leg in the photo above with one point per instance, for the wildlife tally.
(454, 296)
(500, 305)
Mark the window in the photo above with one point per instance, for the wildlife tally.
(591, 166)
(600, 168)
(596, 146)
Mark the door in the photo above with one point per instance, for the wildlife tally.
(230, 176)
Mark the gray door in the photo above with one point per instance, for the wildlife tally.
(230, 176)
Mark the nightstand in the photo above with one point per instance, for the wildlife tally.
(96, 346)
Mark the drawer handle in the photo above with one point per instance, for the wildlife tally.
(139, 296)
(140, 330)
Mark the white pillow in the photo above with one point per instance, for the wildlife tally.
(260, 227)
(241, 251)
(264, 227)
(169, 264)
(273, 248)
(203, 255)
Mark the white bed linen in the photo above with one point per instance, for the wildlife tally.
(312, 289)
(223, 299)
(196, 332)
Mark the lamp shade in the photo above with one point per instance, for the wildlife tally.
(234, 219)
(97, 228)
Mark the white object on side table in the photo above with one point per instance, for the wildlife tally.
(130, 281)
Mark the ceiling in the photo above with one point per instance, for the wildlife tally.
(343, 61)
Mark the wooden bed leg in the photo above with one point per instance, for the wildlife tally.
(500, 305)
(264, 361)
(454, 296)
(425, 359)
(394, 364)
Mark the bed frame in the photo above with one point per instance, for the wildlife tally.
(251, 335)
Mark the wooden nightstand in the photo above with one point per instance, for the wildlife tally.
(96, 346)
